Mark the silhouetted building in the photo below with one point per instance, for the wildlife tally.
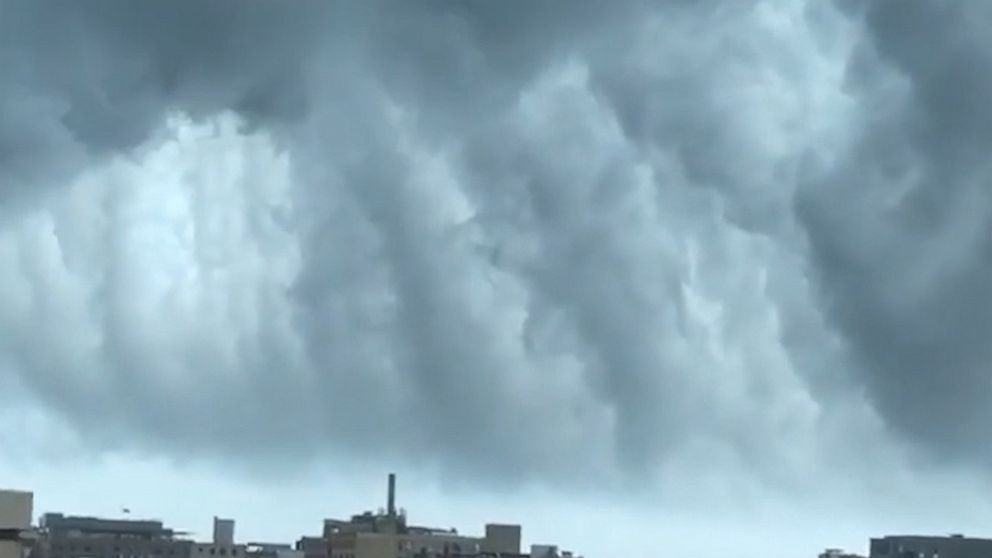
(953, 546)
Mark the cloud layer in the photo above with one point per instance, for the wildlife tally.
(555, 241)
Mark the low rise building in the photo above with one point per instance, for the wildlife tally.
(914, 546)
(388, 535)
(62, 536)
(66, 536)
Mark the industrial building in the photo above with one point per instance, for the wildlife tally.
(388, 535)
(953, 546)
(16, 534)
(385, 534)
(62, 536)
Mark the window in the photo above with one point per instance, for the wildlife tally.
(213, 551)
(223, 552)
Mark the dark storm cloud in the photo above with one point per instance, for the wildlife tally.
(900, 229)
(552, 239)
(85, 80)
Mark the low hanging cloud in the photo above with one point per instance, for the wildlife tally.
(899, 229)
(550, 240)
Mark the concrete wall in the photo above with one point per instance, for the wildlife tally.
(15, 509)
(223, 531)
(376, 546)
(543, 551)
(10, 549)
(502, 538)
(312, 547)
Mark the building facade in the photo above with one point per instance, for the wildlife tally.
(223, 531)
(501, 539)
(387, 535)
(222, 545)
(214, 550)
(62, 536)
(15, 523)
(312, 547)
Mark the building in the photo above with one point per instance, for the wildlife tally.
(312, 547)
(222, 545)
(388, 535)
(16, 535)
(953, 546)
(223, 531)
(501, 539)
(62, 536)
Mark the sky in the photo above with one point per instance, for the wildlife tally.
(703, 276)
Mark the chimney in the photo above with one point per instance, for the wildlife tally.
(391, 502)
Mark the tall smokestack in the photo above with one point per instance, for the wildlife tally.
(391, 503)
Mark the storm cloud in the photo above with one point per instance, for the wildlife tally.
(558, 241)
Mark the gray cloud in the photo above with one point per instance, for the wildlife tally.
(900, 229)
(86, 81)
(513, 240)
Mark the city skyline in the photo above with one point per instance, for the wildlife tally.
(386, 533)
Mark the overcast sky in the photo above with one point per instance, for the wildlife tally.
(700, 275)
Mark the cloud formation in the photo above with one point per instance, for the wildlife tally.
(899, 229)
(553, 240)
